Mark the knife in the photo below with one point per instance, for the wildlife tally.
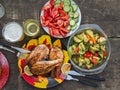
(21, 50)
(72, 72)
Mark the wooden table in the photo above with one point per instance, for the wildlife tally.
(105, 13)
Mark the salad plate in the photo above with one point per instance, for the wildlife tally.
(54, 26)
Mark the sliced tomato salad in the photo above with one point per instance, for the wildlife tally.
(56, 19)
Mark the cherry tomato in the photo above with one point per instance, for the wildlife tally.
(88, 54)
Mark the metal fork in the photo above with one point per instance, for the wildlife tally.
(82, 81)
(4, 48)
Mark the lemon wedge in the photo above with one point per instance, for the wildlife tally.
(27, 71)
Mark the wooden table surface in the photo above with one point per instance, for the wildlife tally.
(105, 13)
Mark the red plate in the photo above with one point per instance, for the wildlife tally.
(5, 70)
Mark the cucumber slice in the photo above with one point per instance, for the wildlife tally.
(58, 1)
(71, 9)
(74, 27)
(66, 0)
(66, 3)
(57, 4)
(66, 8)
(71, 14)
(75, 7)
(76, 14)
(76, 20)
(69, 27)
(72, 22)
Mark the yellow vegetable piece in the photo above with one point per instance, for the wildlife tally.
(43, 82)
(59, 80)
(57, 43)
(66, 57)
(19, 65)
(32, 42)
(45, 39)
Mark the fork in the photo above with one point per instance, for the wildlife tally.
(69, 77)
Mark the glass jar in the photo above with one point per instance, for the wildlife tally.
(31, 27)
(2, 11)
(13, 32)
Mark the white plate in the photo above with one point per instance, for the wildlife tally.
(72, 31)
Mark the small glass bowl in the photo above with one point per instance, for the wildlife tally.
(102, 65)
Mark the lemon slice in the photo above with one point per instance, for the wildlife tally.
(66, 68)
(27, 71)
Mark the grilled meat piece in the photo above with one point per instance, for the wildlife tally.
(56, 53)
(39, 53)
(43, 67)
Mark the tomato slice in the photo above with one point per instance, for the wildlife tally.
(66, 23)
(62, 4)
(62, 33)
(65, 17)
(45, 23)
(48, 6)
(52, 3)
(43, 18)
(51, 25)
(49, 18)
(60, 23)
(51, 32)
(62, 12)
(64, 30)
(56, 32)
(54, 13)
(46, 13)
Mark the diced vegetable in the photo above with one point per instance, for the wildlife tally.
(77, 40)
(102, 40)
(89, 32)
